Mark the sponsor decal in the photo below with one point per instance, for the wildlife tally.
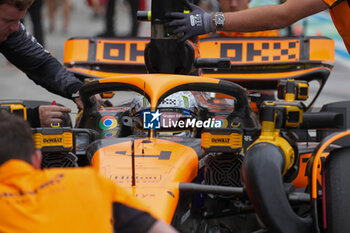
(52, 140)
(145, 179)
(108, 122)
(121, 51)
(261, 51)
(26, 195)
(220, 140)
(196, 20)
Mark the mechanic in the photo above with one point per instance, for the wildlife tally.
(22, 50)
(261, 18)
(60, 199)
(239, 5)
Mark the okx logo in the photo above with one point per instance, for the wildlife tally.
(151, 120)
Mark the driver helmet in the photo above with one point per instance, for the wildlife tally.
(179, 106)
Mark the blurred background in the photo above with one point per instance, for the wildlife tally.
(87, 19)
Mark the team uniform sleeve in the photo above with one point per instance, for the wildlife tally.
(22, 50)
(131, 220)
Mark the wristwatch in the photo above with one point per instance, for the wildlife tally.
(219, 20)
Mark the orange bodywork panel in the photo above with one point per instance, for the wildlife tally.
(321, 50)
(98, 50)
(159, 166)
(258, 63)
(302, 180)
(241, 51)
(262, 59)
(121, 51)
(76, 50)
(260, 51)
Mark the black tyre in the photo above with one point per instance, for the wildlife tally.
(337, 191)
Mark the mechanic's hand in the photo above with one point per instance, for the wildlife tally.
(197, 22)
(51, 114)
(79, 103)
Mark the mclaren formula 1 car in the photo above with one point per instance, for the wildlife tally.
(233, 147)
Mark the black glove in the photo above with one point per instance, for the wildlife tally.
(197, 22)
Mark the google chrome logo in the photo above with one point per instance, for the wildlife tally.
(108, 122)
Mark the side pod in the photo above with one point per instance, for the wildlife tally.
(262, 169)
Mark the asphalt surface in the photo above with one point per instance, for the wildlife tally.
(15, 85)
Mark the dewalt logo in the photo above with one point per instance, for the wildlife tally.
(220, 140)
(62, 140)
(52, 140)
(225, 140)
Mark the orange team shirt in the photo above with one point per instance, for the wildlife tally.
(340, 13)
(66, 200)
